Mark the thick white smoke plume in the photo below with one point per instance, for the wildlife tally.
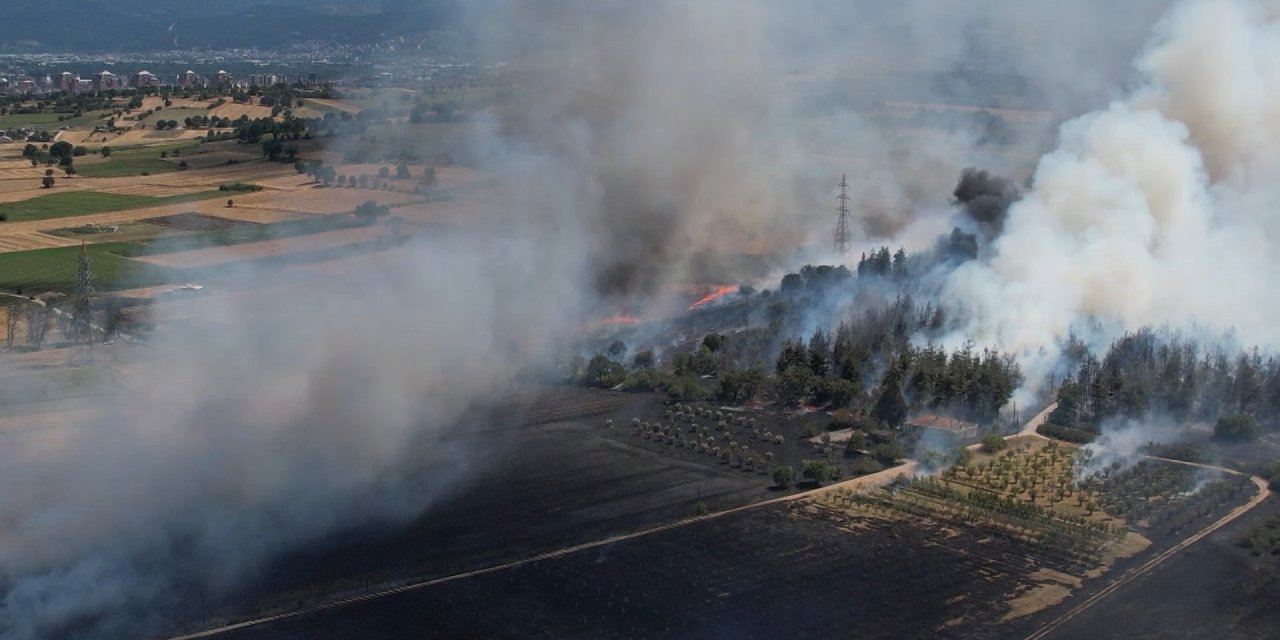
(1159, 209)
(648, 132)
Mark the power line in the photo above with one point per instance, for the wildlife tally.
(842, 218)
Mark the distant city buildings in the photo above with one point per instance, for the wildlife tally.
(106, 81)
(190, 80)
(68, 82)
(143, 79)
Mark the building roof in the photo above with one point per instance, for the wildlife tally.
(945, 423)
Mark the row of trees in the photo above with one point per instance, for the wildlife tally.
(1149, 372)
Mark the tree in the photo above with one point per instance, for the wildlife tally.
(37, 323)
(395, 226)
(105, 151)
(12, 316)
(793, 386)
(837, 392)
(817, 471)
(428, 179)
(63, 151)
(714, 342)
(994, 443)
(1236, 428)
(402, 171)
(643, 360)
(891, 407)
(384, 173)
(48, 182)
(273, 149)
(369, 211)
(784, 476)
(888, 453)
(604, 373)
(739, 385)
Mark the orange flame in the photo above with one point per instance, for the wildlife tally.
(719, 292)
(617, 320)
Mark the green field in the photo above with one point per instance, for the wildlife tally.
(55, 384)
(50, 120)
(78, 203)
(133, 161)
(40, 270)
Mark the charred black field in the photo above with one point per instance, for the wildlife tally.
(583, 526)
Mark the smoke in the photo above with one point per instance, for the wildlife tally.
(318, 408)
(1153, 210)
(642, 138)
(985, 198)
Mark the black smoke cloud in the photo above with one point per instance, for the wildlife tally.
(985, 198)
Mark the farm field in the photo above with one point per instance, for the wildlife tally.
(922, 559)
(54, 269)
(1216, 589)
(79, 203)
(560, 482)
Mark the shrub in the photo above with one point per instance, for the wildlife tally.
(887, 453)
(239, 187)
(994, 443)
(865, 465)
(1236, 428)
(816, 470)
(1067, 434)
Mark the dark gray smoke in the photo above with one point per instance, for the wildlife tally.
(985, 198)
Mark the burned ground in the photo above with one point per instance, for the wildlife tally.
(1214, 589)
(774, 571)
(543, 479)
(922, 561)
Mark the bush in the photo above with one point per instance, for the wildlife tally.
(817, 471)
(784, 476)
(1236, 428)
(604, 373)
(239, 187)
(994, 443)
(865, 465)
(80, 151)
(1067, 434)
(888, 453)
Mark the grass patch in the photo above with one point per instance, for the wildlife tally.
(55, 384)
(135, 160)
(243, 234)
(78, 203)
(40, 270)
(114, 167)
(49, 120)
(129, 232)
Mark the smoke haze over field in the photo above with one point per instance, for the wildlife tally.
(652, 132)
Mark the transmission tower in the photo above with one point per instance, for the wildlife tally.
(82, 307)
(842, 218)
